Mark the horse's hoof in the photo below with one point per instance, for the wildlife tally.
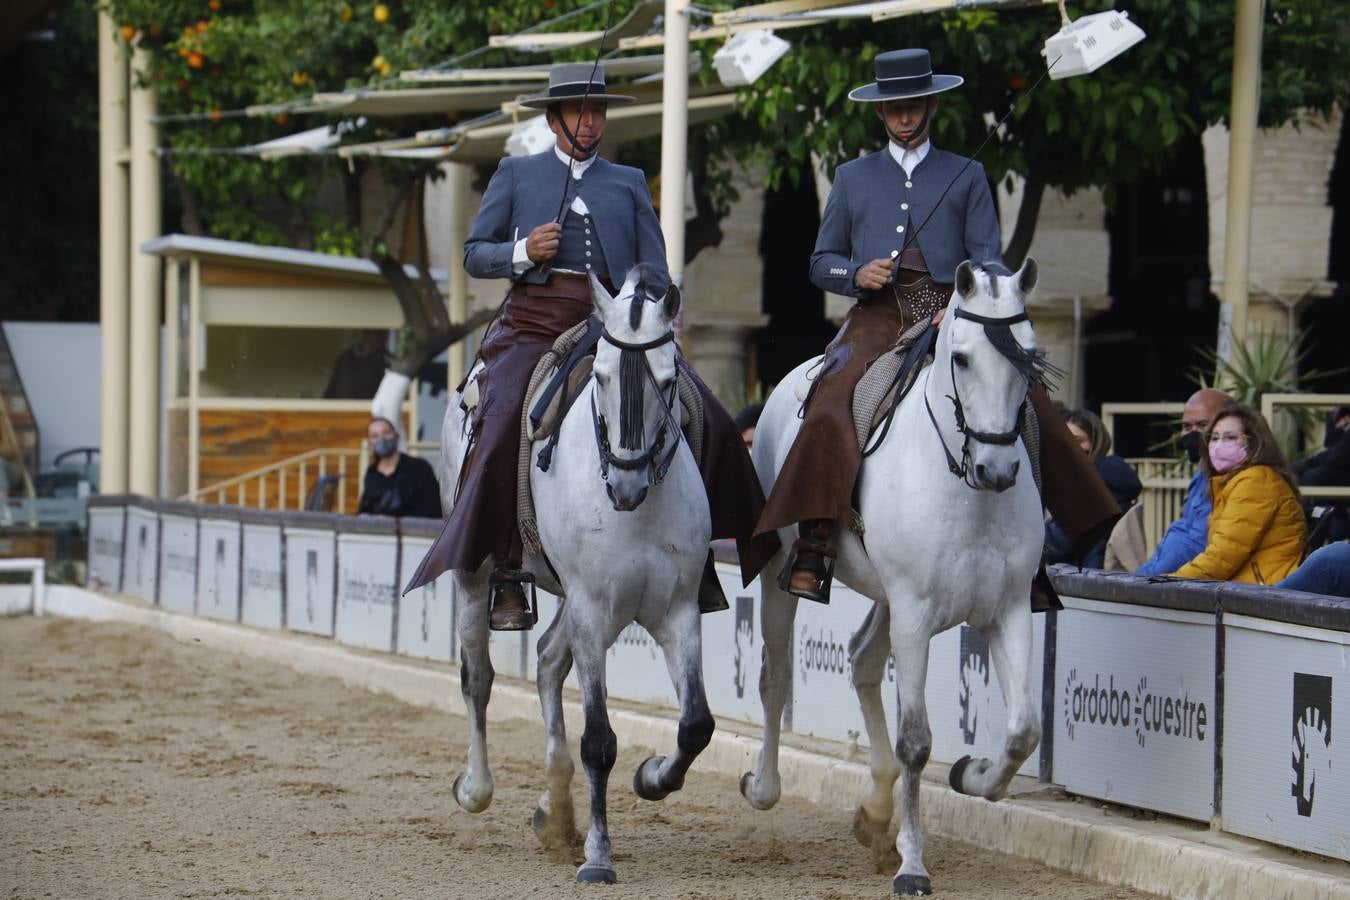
(866, 830)
(596, 875)
(640, 784)
(747, 791)
(467, 804)
(958, 772)
(912, 885)
(539, 822)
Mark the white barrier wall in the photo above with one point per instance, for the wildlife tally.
(732, 648)
(311, 563)
(1135, 718)
(178, 563)
(261, 602)
(426, 616)
(1286, 761)
(140, 566)
(106, 526)
(367, 572)
(823, 701)
(218, 569)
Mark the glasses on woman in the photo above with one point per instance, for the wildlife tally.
(1228, 437)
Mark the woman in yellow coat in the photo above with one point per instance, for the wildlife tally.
(1256, 527)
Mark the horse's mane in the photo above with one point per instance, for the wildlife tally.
(1030, 364)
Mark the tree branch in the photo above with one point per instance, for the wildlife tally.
(1033, 191)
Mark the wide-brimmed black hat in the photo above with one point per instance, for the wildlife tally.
(568, 81)
(902, 74)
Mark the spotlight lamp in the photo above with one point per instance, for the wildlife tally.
(1085, 45)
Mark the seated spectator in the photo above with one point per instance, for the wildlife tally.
(1120, 479)
(397, 484)
(1325, 571)
(746, 420)
(1256, 527)
(1330, 467)
(1185, 538)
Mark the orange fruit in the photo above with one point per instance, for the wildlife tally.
(299, 79)
(154, 31)
(196, 60)
(380, 13)
(281, 118)
(215, 114)
(183, 52)
(128, 33)
(345, 13)
(202, 25)
(1016, 82)
(214, 5)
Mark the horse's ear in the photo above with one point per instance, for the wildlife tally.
(1027, 277)
(670, 306)
(600, 295)
(965, 279)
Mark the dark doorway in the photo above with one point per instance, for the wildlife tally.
(1144, 348)
(1326, 323)
(797, 328)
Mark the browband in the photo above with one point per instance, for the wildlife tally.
(650, 345)
(990, 320)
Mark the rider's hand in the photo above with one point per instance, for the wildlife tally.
(937, 317)
(542, 244)
(874, 275)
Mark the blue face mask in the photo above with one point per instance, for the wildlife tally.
(384, 446)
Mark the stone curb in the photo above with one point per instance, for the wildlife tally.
(1075, 840)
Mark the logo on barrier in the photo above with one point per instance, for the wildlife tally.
(975, 685)
(311, 583)
(1312, 737)
(218, 573)
(745, 642)
(635, 636)
(142, 542)
(822, 654)
(1143, 711)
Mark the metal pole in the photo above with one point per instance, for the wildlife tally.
(459, 177)
(112, 226)
(1241, 143)
(674, 133)
(143, 434)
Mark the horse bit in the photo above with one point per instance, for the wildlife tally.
(999, 438)
(632, 362)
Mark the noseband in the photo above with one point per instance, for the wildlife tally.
(635, 372)
(962, 469)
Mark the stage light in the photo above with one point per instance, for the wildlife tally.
(748, 55)
(1089, 43)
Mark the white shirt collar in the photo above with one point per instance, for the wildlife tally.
(579, 167)
(908, 158)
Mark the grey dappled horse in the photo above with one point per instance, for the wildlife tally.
(953, 534)
(623, 518)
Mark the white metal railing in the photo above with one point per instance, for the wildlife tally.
(252, 488)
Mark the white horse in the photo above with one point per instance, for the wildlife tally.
(952, 535)
(623, 518)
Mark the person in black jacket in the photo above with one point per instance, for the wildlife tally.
(397, 484)
(1120, 479)
(1330, 467)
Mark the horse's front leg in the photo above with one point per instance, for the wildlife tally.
(1010, 646)
(554, 818)
(777, 611)
(911, 630)
(599, 747)
(681, 639)
(869, 650)
(473, 789)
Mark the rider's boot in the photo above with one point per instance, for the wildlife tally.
(710, 595)
(810, 568)
(510, 606)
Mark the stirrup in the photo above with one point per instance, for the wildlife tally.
(821, 593)
(513, 576)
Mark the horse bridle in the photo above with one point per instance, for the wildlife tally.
(962, 469)
(635, 355)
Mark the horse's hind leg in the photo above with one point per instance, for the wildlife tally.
(910, 634)
(776, 614)
(869, 650)
(681, 639)
(599, 746)
(1010, 646)
(554, 818)
(473, 789)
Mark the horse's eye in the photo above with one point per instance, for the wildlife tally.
(960, 360)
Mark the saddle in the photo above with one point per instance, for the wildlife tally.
(553, 388)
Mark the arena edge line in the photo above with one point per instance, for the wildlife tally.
(1119, 854)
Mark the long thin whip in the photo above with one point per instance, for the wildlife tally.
(586, 95)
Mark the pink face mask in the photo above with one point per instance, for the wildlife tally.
(1225, 456)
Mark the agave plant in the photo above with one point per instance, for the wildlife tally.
(1267, 363)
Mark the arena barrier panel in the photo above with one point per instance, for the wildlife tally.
(1208, 701)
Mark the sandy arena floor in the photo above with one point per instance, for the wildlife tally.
(135, 766)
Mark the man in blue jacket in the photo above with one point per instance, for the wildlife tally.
(1185, 538)
(896, 225)
(548, 244)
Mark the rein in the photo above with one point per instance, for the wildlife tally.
(635, 372)
(962, 469)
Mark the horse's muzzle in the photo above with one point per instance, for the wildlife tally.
(991, 479)
(625, 502)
